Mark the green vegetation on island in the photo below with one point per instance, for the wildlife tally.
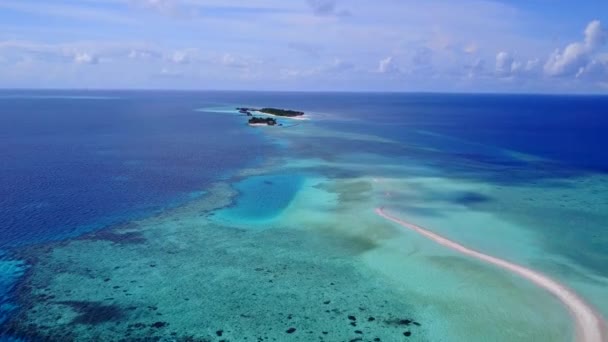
(272, 111)
(281, 112)
(262, 121)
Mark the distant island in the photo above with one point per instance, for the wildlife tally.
(281, 112)
(266, 121)
(256, 121)
(271, 111)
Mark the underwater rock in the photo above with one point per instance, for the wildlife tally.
(158, 324)
(402, 321)
(291, 330)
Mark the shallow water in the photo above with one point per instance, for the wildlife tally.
(261, 199)
(318, 259)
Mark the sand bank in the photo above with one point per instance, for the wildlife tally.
(590, 326)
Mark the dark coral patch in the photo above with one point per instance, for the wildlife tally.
(127, 238)
(94, 312)
(159, 324)
(405, 322)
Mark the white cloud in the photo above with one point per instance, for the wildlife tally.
(85, 58)
(387, 66)
(180, 57)
(434, 44)
(231, 61)
(576, 57)
(516, 66)
(532, 65)
(567, 62)
(505, 64)
(476, 68)
(471, 48)
(595, 36)
(508, 67)
(143, 54)
(596, 70)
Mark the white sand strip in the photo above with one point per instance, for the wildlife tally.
(590, 326)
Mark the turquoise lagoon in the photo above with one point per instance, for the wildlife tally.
(260, 199)
(284, 244)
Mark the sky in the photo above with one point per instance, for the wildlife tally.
(523, 46)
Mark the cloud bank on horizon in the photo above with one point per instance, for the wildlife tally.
(385, 45)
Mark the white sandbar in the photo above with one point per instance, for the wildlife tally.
(590, 326)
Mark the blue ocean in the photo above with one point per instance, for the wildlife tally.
(74, 162)
(95, 185)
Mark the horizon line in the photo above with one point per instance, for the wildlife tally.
(405, 92)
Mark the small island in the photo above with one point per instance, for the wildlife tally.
(272, 111)
(281, 112)
(263, 120)
(255, 121)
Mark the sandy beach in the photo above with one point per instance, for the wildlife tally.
(590, 326)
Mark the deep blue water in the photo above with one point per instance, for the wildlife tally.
(568, 129)
(74, 161)
(71, 164)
